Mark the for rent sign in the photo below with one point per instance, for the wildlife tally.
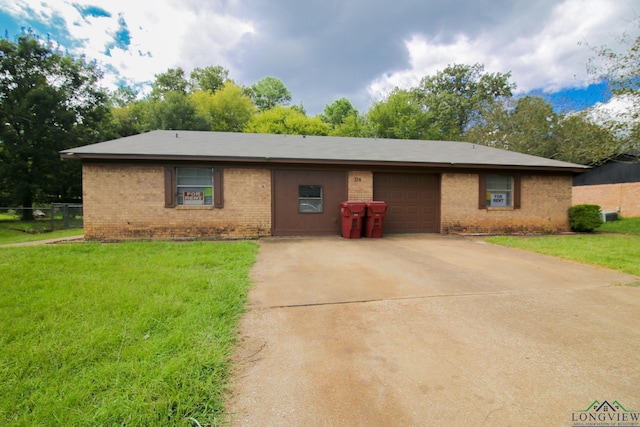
(193, 197)
(499, 199)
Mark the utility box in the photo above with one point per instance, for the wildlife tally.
(376, 211)
(351, 214)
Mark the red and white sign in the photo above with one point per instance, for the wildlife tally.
(193, 197)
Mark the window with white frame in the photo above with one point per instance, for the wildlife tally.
(194, 186)
(310, 198)
(499, 191)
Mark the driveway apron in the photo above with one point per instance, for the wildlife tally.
(423, 330)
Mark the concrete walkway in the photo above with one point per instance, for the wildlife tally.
(425, 330)
(45, 242)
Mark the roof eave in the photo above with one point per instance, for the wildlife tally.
(360, 163)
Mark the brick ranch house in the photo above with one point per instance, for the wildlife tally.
(189, 184)
(614, 185)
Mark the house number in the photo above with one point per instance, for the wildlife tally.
(357, 179)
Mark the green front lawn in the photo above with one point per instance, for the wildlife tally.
(128, 334)
(616, 245)
(623, 225)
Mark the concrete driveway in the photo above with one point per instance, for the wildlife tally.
(425, 330)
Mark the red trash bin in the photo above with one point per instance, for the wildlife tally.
(351, 214)
(376, 212)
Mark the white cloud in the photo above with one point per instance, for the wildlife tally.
(323, 50)
(622, 110)
(552, 58)
(163, 35)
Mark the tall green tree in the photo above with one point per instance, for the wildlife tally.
(227, 110)
(269, 92)
(49, 101)
(353, 125)
(457, 96)
(529, 125)
(173, 80)
(286, 120)
(335, 113)
(174, 112)
(210, 78)
(401, 116)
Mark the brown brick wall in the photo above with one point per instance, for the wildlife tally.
(611, 197)
(361, 186)
(545, 201)
(127, 202)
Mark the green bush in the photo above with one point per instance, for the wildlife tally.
(585, 217)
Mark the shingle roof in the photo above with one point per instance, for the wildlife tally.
(250, 147)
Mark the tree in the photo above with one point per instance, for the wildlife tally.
(48, 102)
(129, 119)
(269, 92)
(286, 120)
(174, 112)
(352, 125)
(582, 141)
(457, 95)
(210, 78)
(173, 80)
(531, 128)
(122, 96)
(227, 110)
(336, 112)
(401, 116)
(529, 125)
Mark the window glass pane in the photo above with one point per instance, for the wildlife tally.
(194, 186)
(498, 182)
(310, 191)
(310, 205)
(310, 199)
(499, 191)
(194, 176)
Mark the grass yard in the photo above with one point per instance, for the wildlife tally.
(12, 230)
(617, 248)
(623, 225)
(128, 334)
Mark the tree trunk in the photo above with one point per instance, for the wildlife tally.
(27, 208)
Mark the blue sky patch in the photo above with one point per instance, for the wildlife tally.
(121, 38)
(92, 11)
(576, 99)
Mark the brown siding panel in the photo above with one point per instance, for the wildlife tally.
(288, 221)
(169, 187)
(218, 188)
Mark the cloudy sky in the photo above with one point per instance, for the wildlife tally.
(327, 49)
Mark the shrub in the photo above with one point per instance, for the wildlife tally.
(585, 217)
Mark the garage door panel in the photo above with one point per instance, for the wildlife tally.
(413, 201)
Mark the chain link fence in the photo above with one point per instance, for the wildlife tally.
(41, 219)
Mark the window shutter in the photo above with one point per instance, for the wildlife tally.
(169, 187)
(516, 192)
(482, 194)
(218, 194)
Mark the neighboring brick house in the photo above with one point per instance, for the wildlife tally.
(188, 184)
(614, 185)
